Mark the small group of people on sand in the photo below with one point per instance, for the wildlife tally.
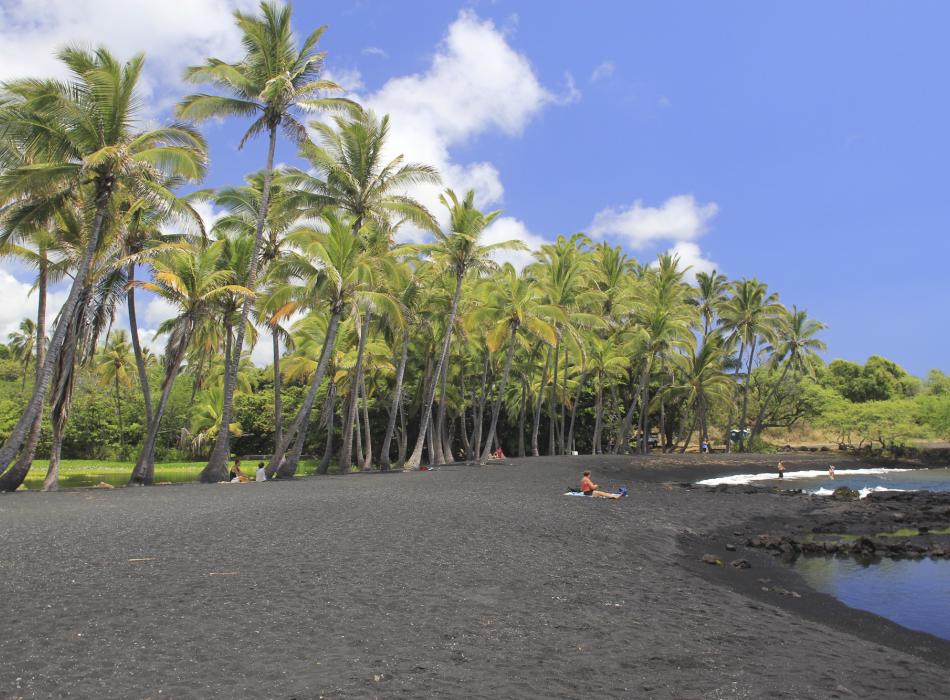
(236, 476)
(781, 471)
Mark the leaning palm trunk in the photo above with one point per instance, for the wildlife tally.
(278, 408)
(217, 467)
(444, 446)
(331, 412)
(144, 472)
(59, 415)
(349, 421)
(416, 456)
(367, 460)
(536, 426)
(403, 436)
(298, 427)
(19, 433)
(137, 347)
(496, 407)
(624, 433)
(562, 435)
(15, 476)
(384, 463)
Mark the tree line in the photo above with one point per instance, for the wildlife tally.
(394, 354)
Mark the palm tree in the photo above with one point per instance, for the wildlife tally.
(113, 365)
(456, 252)
(608, 360)
(354, 176)
(271, 82)
(702, 381)
(796, 348)
(711, 293)
(749, 317)
(22, 344)
(192, 280)
(339, 273)
(512, 303)
(80, 139)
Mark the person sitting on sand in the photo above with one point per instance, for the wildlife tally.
(781, 470)
(237, 476)
(498, 454)
(589, 488)
(261, 474)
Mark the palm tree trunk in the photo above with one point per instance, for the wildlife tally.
(331, 412)
(496, 408)
(118, 411)
(624, 433)
(746, 385)
(577, 399)
(596, 446)
(466, 445)
(445, 455)
(144, 472)
(480, 418)
(732, 406)
(19, 433)
(357, 429)
(536, 425)
(689, 435)
(384, 463)
(24, 462)
(562, 435)
(278, 407)
(403, 437)
(367, 462)
(521, 417)
(217, 467)
(289, 467)
(137, 348)
(416, 456)
(552, 395)
(346, 450)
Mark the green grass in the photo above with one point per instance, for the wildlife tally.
(89, 472)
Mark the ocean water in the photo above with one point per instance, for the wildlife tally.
(914, 593)
(864, 481)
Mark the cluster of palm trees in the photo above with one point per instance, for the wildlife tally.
(421, 351)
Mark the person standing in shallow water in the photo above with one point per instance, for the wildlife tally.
(831, 472)
(781, 470)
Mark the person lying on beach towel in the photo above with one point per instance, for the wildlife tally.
(589, 488)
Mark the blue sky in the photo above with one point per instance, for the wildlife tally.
(801, 143)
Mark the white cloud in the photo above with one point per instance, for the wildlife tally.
(20, 303)
(691, 256)
(508, 228)
(603, 71)
(173, 35)
(679, 218)
(476, 83)
(375, 51)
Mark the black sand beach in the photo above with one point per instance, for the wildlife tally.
(474, 582)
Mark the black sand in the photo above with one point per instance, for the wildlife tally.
(463, 582)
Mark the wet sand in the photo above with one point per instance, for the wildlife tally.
(469, 582)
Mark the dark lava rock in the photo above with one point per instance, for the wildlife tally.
(843, 493)
(740, 564)
(730, 548)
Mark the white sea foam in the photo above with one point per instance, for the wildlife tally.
(806, 474)
(822, 491)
